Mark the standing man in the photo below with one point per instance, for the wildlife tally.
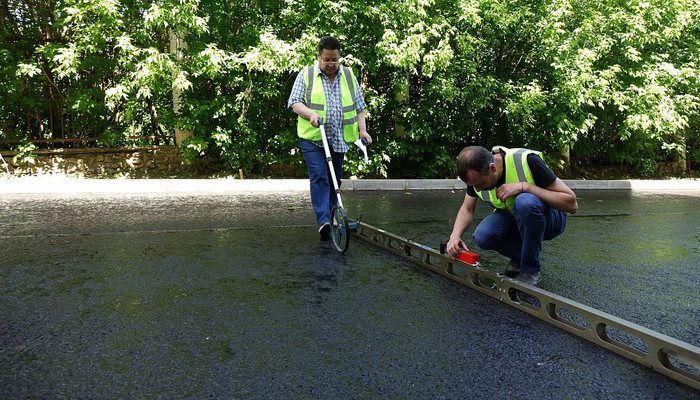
(327, 93)
(530, 205)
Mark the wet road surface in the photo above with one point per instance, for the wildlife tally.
(233, 296)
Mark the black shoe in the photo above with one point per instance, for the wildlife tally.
(512, 270)
(325, 231)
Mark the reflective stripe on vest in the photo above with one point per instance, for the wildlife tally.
(516, 170)
(310, 88)
(316, 100)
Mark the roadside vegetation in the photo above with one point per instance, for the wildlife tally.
(598, 86)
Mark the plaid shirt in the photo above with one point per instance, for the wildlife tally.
(334, 110)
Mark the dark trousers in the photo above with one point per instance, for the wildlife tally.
(323, 197)
(519, 235)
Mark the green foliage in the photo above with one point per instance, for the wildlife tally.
(110, 137)
(25, 153)
(613, 82)
(645, 167)
(194, 150)
(626, 72)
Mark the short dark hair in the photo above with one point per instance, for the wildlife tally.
(328, 43)
(475, 158)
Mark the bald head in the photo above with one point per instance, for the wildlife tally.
(475, 158)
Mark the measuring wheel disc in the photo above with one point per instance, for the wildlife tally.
(339, 229)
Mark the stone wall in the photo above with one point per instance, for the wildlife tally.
(154, 162)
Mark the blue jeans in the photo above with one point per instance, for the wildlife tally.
(519, 235)
(323, 197)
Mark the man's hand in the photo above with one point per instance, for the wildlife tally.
(456, 246)
(315, 120)
(510, 189)
(366, 136)
(305, 112)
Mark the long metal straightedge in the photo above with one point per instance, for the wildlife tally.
(674, 358)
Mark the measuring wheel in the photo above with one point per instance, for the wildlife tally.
(339, 229)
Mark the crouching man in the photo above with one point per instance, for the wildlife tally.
(530, 206)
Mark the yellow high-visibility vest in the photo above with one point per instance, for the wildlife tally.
(516, 170)
(315, 99)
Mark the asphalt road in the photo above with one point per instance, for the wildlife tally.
(232, 296)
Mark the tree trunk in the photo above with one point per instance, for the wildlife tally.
(401, 95)
(177, 44)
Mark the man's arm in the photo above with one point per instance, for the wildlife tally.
(361, 114)
(362, 125)
(556, 195)
(464, 218)
(305, 112)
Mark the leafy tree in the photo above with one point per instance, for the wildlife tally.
(626, 76)
(607, 81)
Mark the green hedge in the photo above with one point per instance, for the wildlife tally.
(607, 82)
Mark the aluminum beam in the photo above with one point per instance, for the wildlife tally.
(674, 358)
